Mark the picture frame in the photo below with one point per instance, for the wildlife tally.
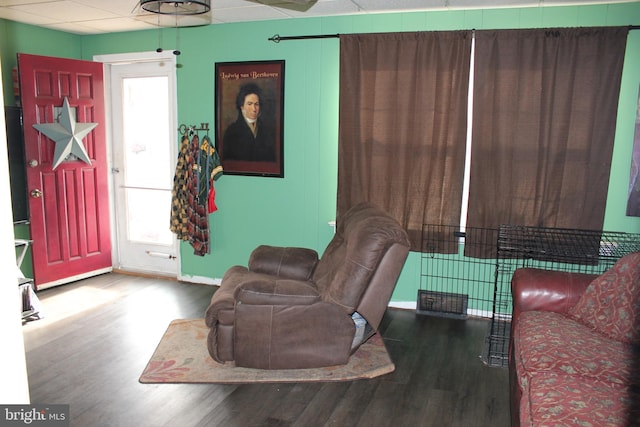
(249, 119)
(633, 198)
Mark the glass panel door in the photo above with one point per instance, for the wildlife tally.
(144, 156)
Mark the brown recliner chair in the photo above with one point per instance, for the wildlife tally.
(288, 310)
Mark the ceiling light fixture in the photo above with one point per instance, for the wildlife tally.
(167, 7)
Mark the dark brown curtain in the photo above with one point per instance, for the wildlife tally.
(545, 107)
(403, 119)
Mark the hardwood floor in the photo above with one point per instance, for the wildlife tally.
(98, 334)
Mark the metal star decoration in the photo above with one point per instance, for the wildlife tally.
(67, 135)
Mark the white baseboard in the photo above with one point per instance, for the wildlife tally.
(407, 305)
(201, 280)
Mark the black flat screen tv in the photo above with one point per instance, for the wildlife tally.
(17, 168)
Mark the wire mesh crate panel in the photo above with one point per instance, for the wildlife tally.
(583, 251)
(449, 278)
(614, 246)
(496, 351)
(473, 269)
(580, 251)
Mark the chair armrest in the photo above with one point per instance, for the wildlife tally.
(276, 292)
(290, 263)
(547, 290)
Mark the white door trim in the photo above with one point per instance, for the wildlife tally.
(120, 59)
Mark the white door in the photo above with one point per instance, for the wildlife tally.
(144, 153)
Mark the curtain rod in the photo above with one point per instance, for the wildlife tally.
(277, 38)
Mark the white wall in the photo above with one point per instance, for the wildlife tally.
(14, 387)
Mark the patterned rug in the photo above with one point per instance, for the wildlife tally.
(182, 357)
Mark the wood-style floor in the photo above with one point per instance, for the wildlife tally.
(98, 334)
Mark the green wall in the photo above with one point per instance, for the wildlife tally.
(295, 210)
(18, 38)
(15, 38)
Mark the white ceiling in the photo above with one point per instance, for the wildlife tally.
(106, 16)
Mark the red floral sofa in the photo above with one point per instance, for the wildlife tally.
(574, 347)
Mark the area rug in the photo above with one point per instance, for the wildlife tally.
(182, 357)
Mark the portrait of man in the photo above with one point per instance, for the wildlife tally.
(249, 117)
(250, 137)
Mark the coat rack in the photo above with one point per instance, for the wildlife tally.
(191, 129)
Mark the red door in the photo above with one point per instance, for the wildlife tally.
(68, 189)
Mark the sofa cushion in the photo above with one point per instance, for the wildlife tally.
(290, 263)
(568, 400)
(611, 303)
(260, 289)
(551, 343)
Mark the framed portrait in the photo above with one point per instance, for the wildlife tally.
(250, 117)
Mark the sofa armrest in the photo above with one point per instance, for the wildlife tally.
(273, 292)
(290, 263)
(536, 289)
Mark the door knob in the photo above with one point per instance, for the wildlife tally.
(33, 163)
(36, 193)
